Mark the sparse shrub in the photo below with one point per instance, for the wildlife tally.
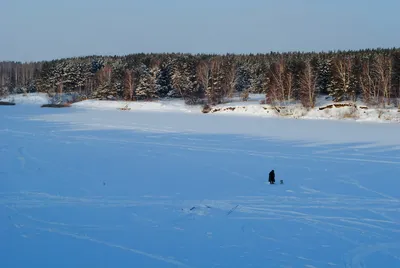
(206, 109)
(194, 101)
(350, 112)
(295, 111)
(245, 95)
(77, 98)
(380, 113)
(3, 92)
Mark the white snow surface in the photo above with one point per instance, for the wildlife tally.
(156, 106)
(235, 106)
(319, 131)
(30, 98)
(254, 108)
(110, 188)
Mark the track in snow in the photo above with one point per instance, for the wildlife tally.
(124, 199)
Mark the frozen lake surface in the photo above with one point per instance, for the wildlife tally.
(91, 188)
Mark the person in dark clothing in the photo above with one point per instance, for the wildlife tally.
(271, 177)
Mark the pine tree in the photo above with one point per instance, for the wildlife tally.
(214, 91)
(257, 78)
(147, 87)
(242, 81)
(354, 83)
(184, 80)
(324, 81)
(117, 78)
(163, 80)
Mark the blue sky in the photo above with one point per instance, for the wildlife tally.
(48, 29)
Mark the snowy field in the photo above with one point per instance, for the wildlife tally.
(109, 188)
(358, 111)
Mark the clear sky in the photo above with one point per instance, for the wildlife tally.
(33, 30)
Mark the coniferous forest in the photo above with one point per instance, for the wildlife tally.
(372, 75)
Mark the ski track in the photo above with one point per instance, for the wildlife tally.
(368, 226)
(135, 251)
(310, 207)
(275, 206)
(269, 154)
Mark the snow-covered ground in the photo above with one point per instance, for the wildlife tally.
(155, 106)
(109, 188)
(358, 112)
(30, 98)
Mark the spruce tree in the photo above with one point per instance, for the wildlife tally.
(147, 86)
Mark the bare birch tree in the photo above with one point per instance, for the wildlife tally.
(383, 69)
(368, 82)
(341, 79)
(129, 84)
(230, 79)
(203, 73)
(281, 82)
(308, 85)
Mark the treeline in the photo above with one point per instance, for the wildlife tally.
(373, 75)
